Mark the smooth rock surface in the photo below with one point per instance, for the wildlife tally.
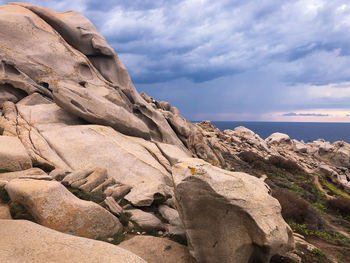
(53, 206)
(5, 211)
(25, 241)
(13, 156)
(157, 250)
(147, 221)
(228, 217)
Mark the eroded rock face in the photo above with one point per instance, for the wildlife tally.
(53, 206)
(25, 241)
(73, 64)
(228, 217)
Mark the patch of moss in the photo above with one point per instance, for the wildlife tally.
(124, 219)
(18, 211)
(117, 239)
(317, 255)
(333, 190)
(94, 197)
(322, 234)
(44, 166)
(4, 171)
(4, 197)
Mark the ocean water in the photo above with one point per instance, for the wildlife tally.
(307, 131)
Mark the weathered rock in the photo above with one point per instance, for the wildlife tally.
(147, 221)
(278, 138)
(59, 174)
(170, 214)
(13, 156)
(117, 191)
(113, 206)
(172, 152)
(77, 67)
(33, 173)
(25, 241)
(5, 211)
(94, 179)
(228, 217)
(77, 177)
(128, 162)
(53, 206)
(299, 147)
(157, 250)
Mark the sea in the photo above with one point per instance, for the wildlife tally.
(306, 131)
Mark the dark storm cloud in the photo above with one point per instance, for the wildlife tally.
(229, 55)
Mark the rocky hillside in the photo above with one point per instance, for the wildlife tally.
(93, 171)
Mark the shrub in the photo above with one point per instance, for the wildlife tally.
(296, 209)
(286, 164)
(341, 204)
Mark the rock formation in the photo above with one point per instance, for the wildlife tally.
(83, 153)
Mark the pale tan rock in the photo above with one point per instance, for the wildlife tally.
(32, 173)
(117, 191)
(53, 206)
(5, 211)
(147, 221)
(77, 177)
(128, 162)
(157, 250)
(299, 147)
(170, 214)
(278, 138)
(173, 153)
(39, 244)
(228, 217)
(13, 156)
(94, 179)
(113, 206)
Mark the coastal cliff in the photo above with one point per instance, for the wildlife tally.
(91, 170)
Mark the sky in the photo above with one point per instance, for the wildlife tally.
(232, 60)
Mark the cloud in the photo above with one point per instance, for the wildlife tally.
(305, 114)
(229, 57)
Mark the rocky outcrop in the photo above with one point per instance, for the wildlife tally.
(157, 250)
(75, 67)
(55, 207)
(69, 105)
(24, 241)
(228, 217)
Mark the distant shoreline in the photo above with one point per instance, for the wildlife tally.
(306, 131)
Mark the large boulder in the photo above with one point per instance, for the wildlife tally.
(25, 241)
(13, 156)
(53, 206)
(157, 250)
(228, 217)
(278, 139)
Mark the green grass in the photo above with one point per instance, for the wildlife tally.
(317, 255)
(94, 197)
(335, 191)
(322, 234)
